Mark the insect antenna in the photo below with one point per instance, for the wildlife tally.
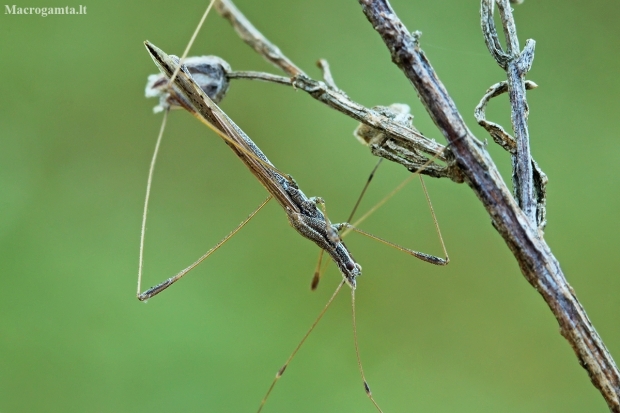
(347, 227)
(149, 183)
(191, 42)
(167, 283)
(357, 353)
(423, 256)
(359, 199)
(288, 361)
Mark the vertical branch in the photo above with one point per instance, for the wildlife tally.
(516, 64)
(503, 139)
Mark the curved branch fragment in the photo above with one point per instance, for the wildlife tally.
(510, 29)
(490, 33)
(497, 132)
(503, 139)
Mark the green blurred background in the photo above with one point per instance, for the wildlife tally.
(76, 140)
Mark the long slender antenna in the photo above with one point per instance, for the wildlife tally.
(191, 41)
(283, 368)
(163, 285)
(430, 206)
(148, 194)
(380, 204)
(423, 256)
(394, 192)
(432, 259)
(357, 353)
(353, 227)
(359, 199)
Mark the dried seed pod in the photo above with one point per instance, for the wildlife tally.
(210, 72)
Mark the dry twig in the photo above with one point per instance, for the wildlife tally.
(516, 64)
(503, 139)
(402, 144)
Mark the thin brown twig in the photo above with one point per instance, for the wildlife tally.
(255, 39)
(398, 137)
(516, 63)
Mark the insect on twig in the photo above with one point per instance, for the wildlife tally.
(307, 215)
